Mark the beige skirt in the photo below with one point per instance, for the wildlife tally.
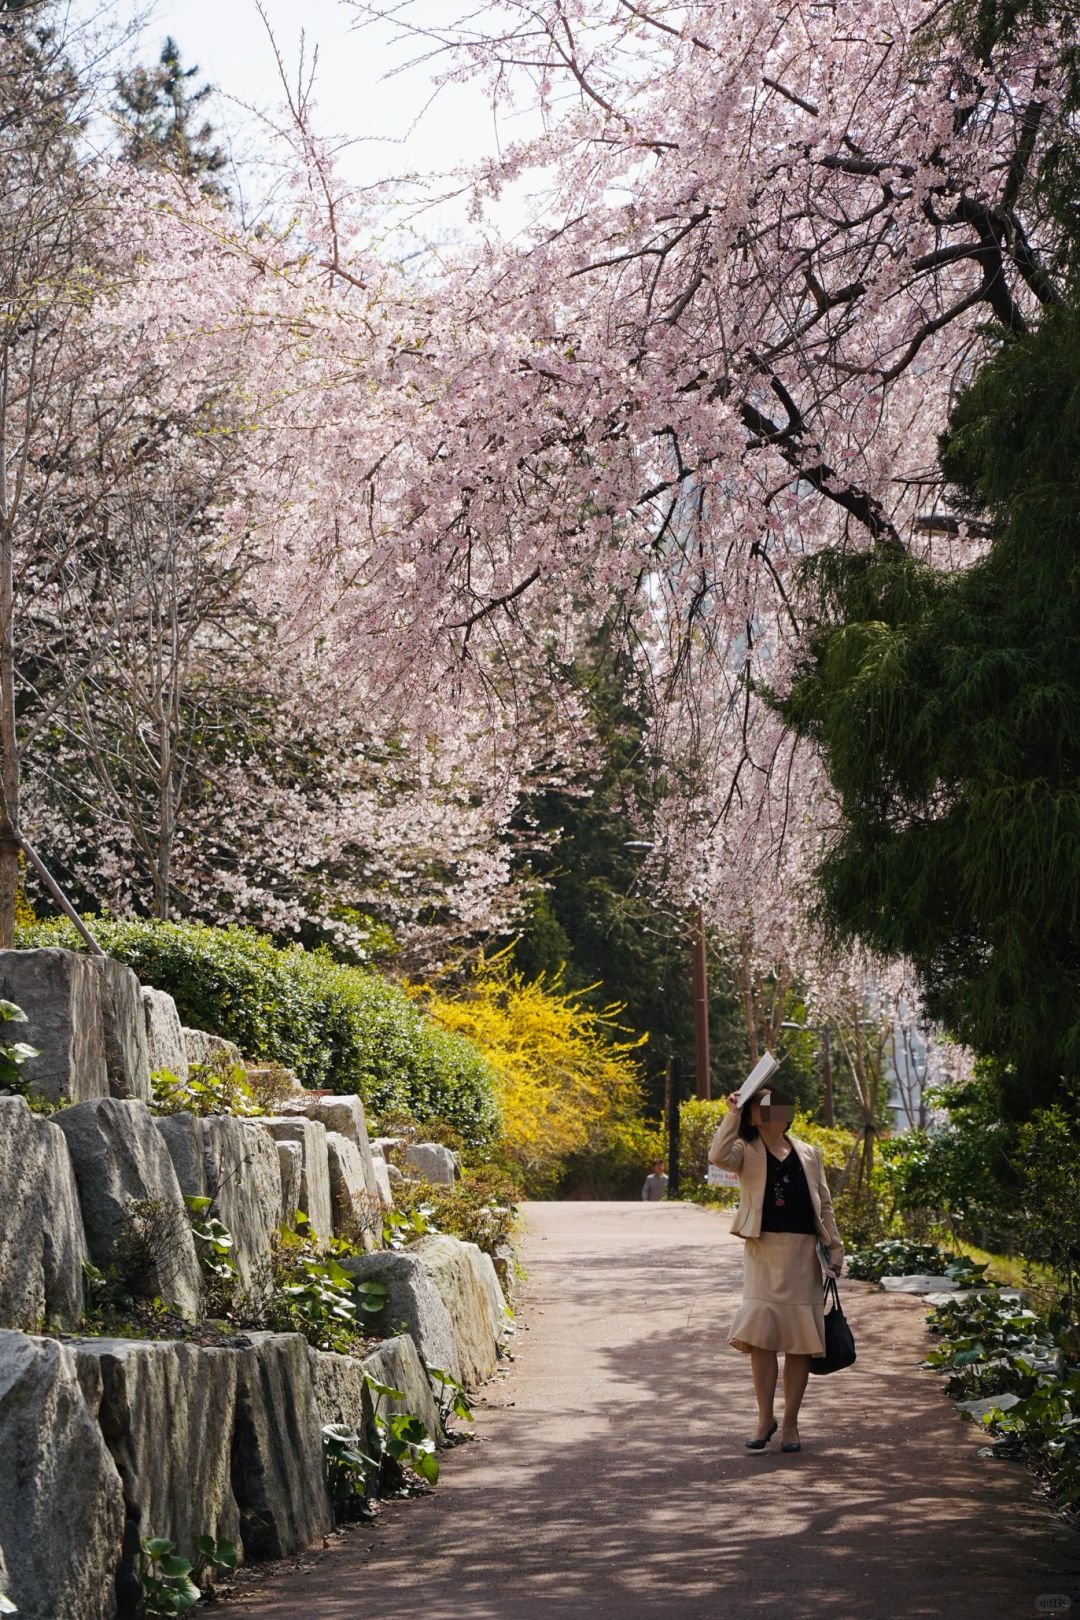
(782, 1306)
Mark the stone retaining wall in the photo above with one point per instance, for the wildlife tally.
(106, 1441)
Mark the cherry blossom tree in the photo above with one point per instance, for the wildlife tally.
(767, 249)
(226, 689)
(764, 252)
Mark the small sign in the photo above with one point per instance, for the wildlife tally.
(715, 1177)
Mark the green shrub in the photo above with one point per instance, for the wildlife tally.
(699, 1121)
(992, 1346)
(481, 1208)
(14, 1054)
(341, 1028)
(899, 1257)
(962, 1177)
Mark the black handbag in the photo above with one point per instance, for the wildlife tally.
(839, 1339)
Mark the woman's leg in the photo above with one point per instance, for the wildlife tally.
(763, 1367)
(796, 1373)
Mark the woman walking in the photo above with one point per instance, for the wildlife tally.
(784, 1207)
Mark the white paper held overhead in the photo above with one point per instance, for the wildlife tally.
(763, 1070)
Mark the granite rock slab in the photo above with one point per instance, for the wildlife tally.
(342, 1394)
(42, 1241)
(277, 1452)
(127, 1055)
(433, 1162)
(978, 1409)
(166, 1410)
(243, 1181)
(919, 1283)
(396, 1362)
(465, 1279)
(61, 1499)
(62, 994)
(203, 1048)
(120, 1156)
(413, 1303)
(382, 1180)
(310, 1135)
(291, 1169)
(354, 1196)
(164, 1033)
(345, 1115)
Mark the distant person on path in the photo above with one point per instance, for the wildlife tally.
(655, 1186)
(784, 1208)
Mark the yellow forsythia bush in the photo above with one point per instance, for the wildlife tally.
(565, 1085)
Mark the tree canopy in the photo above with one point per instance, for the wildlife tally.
(947, 706)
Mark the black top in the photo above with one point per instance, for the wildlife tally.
(787, 1206)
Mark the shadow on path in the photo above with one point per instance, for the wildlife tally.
(610, 1477)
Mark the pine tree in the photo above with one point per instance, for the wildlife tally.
(160, 110)
(947, 706)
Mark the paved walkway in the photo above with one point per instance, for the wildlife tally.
(609, 1479)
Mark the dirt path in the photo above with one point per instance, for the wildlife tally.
(609, 1479)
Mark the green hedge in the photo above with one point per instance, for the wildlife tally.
(341, 1028)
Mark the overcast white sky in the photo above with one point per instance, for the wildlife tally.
(386, 119)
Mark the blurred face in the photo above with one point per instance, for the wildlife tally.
(764, 1111)
(658, 1165)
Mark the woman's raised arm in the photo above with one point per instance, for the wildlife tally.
(728, 1146)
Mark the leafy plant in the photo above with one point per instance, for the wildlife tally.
(269, 1084)
(350, 1472)
(217, 1554)
(214, 1246)
(992, 1346)
(363, 1224)
(450, 1396)
(481, 1208)
(14, 1055)
(405, 1440)
(312, 1294)
(165, 1578)
(402, 1225)
(151, 1235)
(45, 1107)
(960, 1176)
(320, 1304)
(217, 1087)
(899, 1257)
(359, 1466)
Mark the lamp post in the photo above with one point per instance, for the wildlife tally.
(825, 1031)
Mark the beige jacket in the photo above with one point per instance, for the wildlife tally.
(747, 1159)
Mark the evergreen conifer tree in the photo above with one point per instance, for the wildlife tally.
(947, 706)
(160, 110)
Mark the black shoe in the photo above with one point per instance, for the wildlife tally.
(791, 1445)
(759, 1445)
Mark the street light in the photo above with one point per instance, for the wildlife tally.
(825, 1031)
